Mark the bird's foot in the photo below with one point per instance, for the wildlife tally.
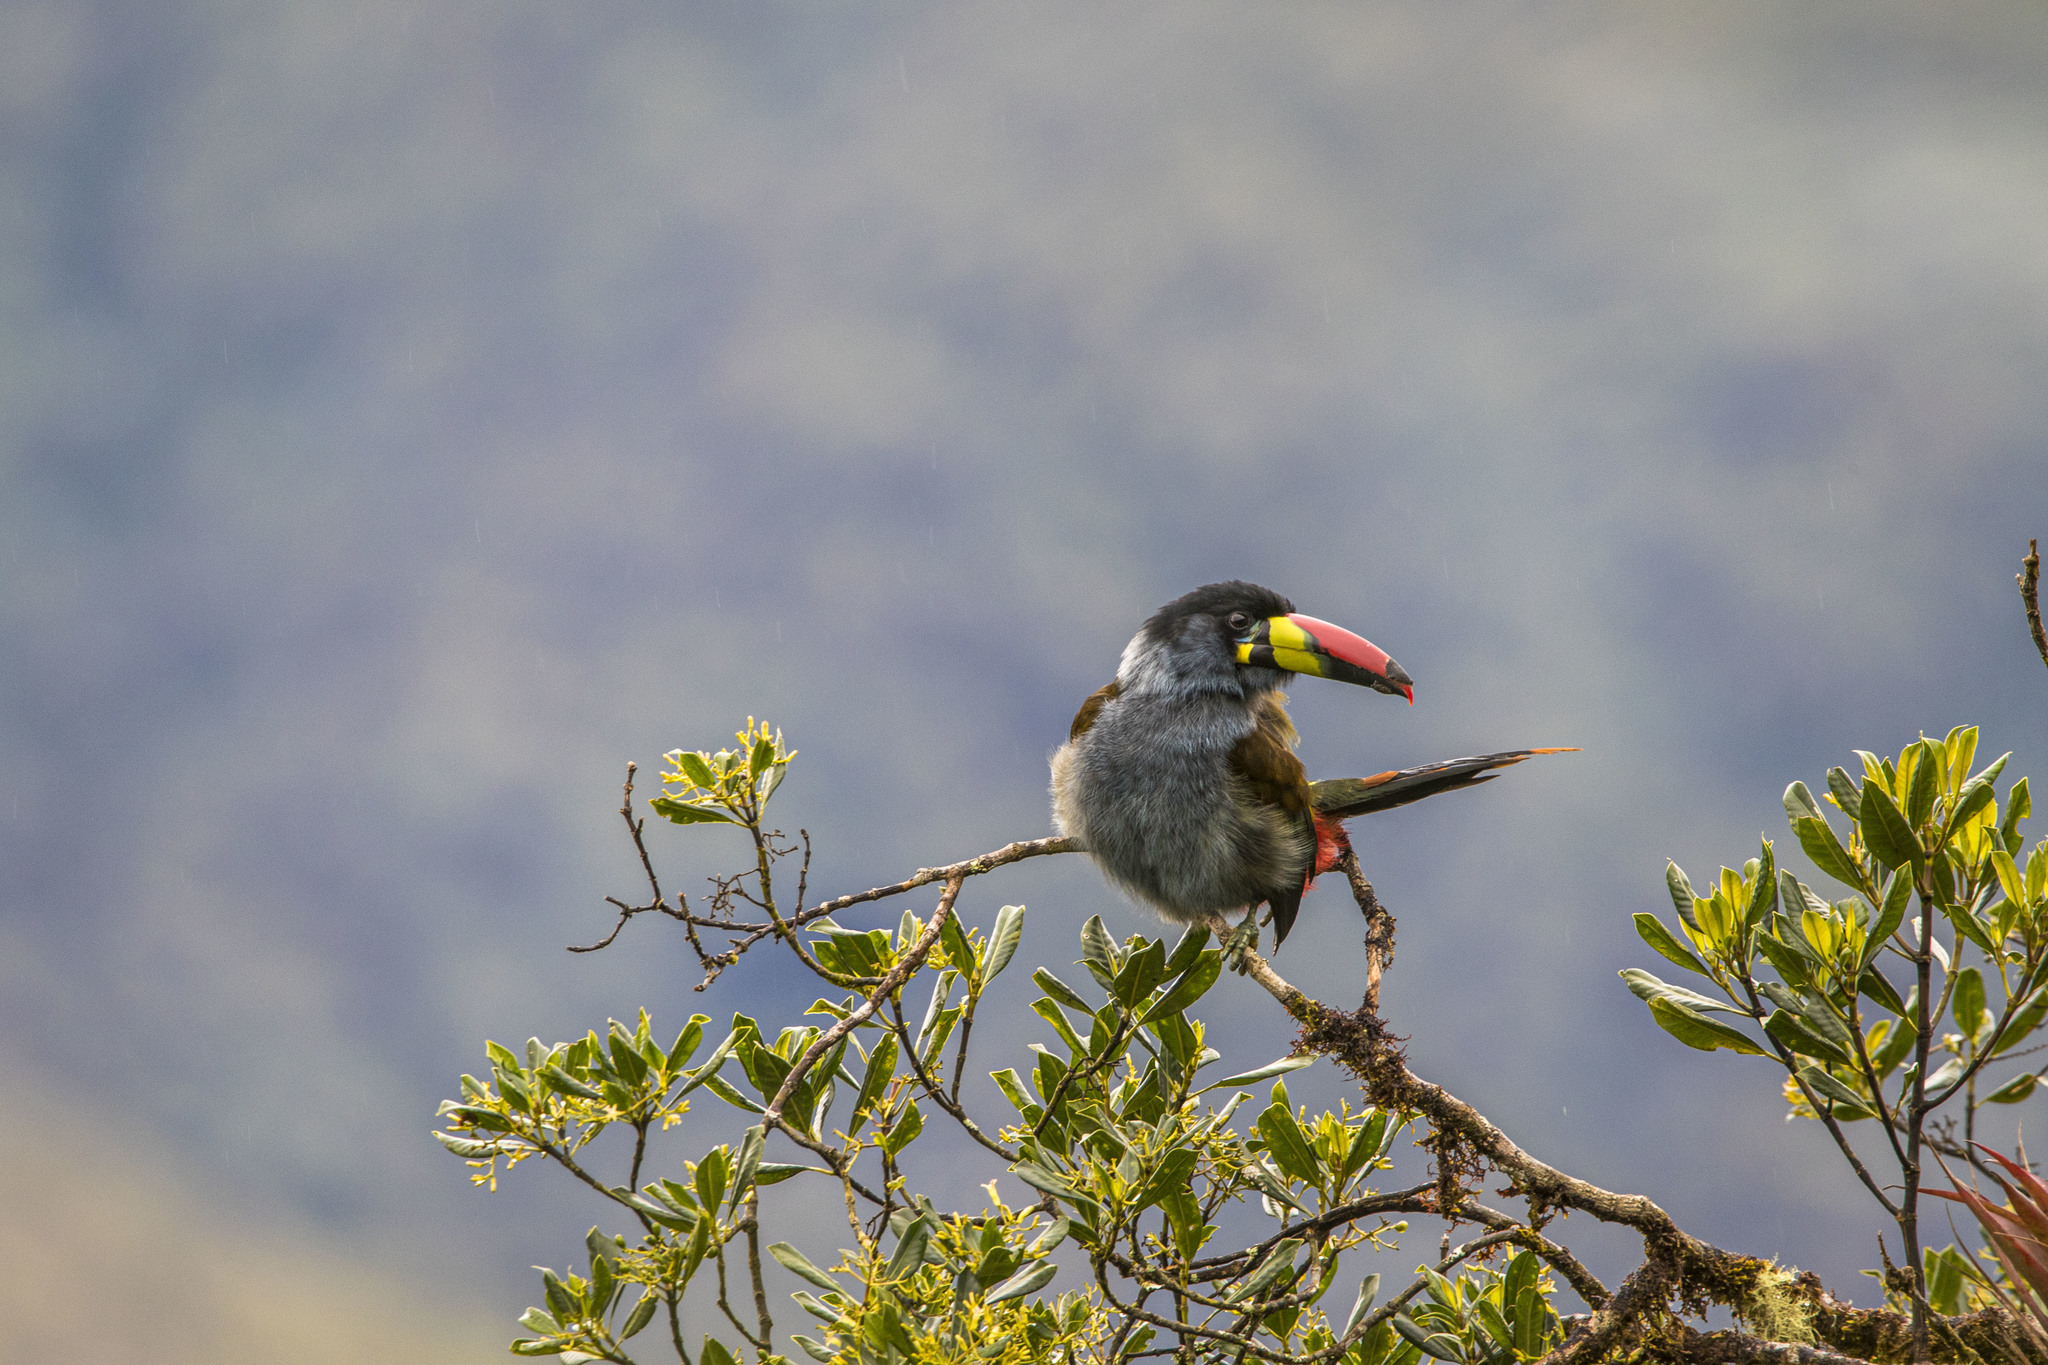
(1243, 941)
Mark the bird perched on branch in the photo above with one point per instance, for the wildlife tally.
(1179, 777)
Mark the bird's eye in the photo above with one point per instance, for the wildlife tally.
(1239, 622)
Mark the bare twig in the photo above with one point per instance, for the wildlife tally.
(925, 876)
(638, 827)
(2030, 593)
(1379, 926)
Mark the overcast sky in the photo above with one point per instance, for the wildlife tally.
(411, 410)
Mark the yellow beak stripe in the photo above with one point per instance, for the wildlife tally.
(1283, 644)
(1299, 661)
(1282, 633)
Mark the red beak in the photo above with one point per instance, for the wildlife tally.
(1352, 656)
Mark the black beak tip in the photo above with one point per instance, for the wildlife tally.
(1398, 675)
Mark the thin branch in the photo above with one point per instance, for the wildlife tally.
(659, 904)
(925, 876)
(1379, 925)
(2030, 593)
(1559, 1258)
(1415, 1199)
(892, 980)
(936, 1093)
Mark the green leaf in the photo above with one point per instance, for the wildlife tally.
(2024, 1022)
(1763, 896)
(1368, 1290)
(881, 1069)
(1043, 1180)
(1028, 1280)
(1792, 964)
(642, 1314)
(1270, 1069)
(1873, 985)
(1142, 970)
(1174, 1171)
(1270, 1184)
(1188, 951)
(1800, 805)
(1793, 1031)
(1898, 898)
(1436, 1345)
(1532, 1323)
(1055, 1233)
(1287, 1145)
(1191, 987)
(725, 1090)
(1832, 1090)
(775, 1172)
(655, 1209)
(560, 1301)
(749, 1161)
(1520, 1275)
(1697, 1031)
(468, 1149)
(2014, 1090)
(686, 1042)
(1926, 784)
(1279, 1262)
(761, 757)
(910, 1246)
(704, 1073)
(2011, 880)
(1646, 987)
(694, 767)
(714, 1353)
(1002, 941)
(1012, 1087)
(1967, 1004)
(904, 1131)
(2018, 806)
(1817, 838)
(958, 951)
(1098, 953)
(1958, 914)
(1061, 991)
(1975, 796)
(796, 1263)
(1681, 894)
(1847, 795)
(1050, 1012)
(682, 813)
(1890, 838)
(712, 1173)
(1488, 1316)
(1653, 932)
(815, 1349)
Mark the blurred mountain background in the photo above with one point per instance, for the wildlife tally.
(410, 412)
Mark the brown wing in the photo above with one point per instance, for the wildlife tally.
(1092, 708)
(1264, 760)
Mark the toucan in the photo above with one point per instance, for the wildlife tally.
(1179, 777)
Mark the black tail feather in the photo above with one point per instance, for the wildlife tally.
(1344, 797)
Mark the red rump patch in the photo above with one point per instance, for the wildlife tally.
(1332, 843)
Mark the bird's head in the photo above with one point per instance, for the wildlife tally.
(1241, 637)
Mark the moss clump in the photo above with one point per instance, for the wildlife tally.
(1772, 1307)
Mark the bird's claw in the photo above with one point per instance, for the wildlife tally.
(1242, 943)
